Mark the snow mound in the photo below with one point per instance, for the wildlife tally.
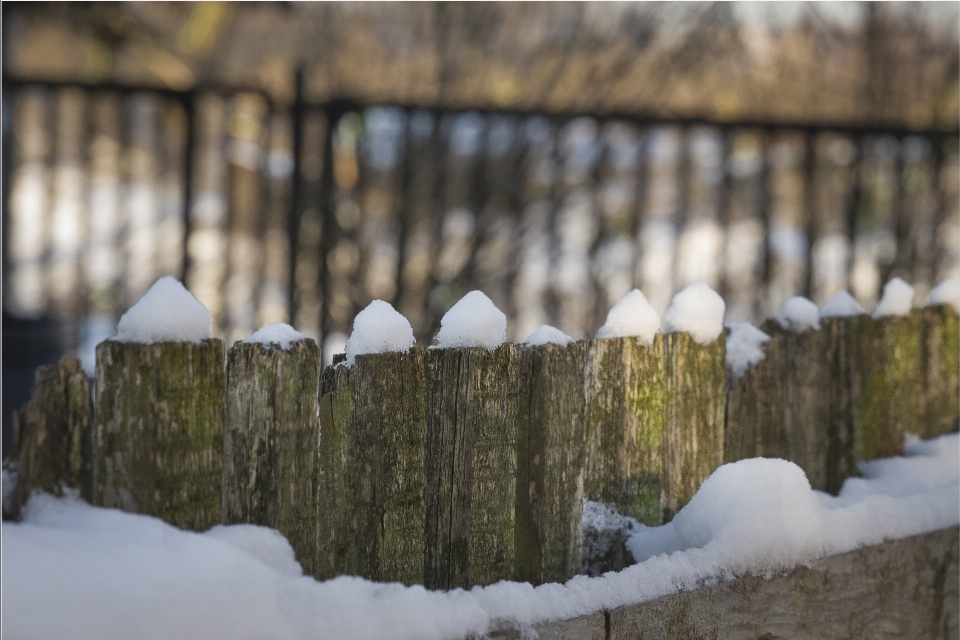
(379, 328)
(698, 310)
(546, 334)
(841, 305)
(167, 312)
(799, 314)
(947, 292)
(744, 346)
(473, 322)
(897, 299)
(631, 316)
(279, 333)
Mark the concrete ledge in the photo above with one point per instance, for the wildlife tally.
(907, 588)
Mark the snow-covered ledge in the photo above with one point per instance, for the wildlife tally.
(907, 588)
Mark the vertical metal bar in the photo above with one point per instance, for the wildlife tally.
(296, 197)
(6, 157)
(187, 100)
(809, 196)
(763, 207)
(327, 222)
(407, 176)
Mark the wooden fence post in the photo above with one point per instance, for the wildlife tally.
(270, 441)
(941, 370)
(52, 441)
(551, 452)
(370, 514)
(754, 411)
(694, 392)
(625, 407)
(885, 382)
(158, 444)
(472, 409)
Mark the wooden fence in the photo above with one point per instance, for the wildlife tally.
(457, 467)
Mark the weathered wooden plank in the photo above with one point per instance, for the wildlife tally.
(625, 405)
(694, 409)
(53, 435)
(370, 513)
(941, 370)
(754, 411)
(473, 403)
(551, 454)
(886, 377)
(270, 441)
(158, 430)
(904, 589)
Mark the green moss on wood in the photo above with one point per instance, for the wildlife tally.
(270, 442)
(626, 399)
(53, 435)
(941, 370)
(159, 430)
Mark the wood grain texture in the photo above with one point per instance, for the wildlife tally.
(472, 408)
(53, 435)
(941, 370)
(626, 399)
(694, 411)
(907, 588)
(270, 441)
(551, 453)
(370, 513)
(158, 440)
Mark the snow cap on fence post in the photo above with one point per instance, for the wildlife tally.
(744, 346)
(379, 328)
(279, 333)
(947, 292)
(897, 299)
(799, 314)
(697, 310)
(545, 334)
(842, 305)
(167, 312)
(473, 322)
(631, 316)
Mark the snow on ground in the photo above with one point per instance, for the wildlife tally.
(167, 312)
(841, 305)
(744, 346)
(280, 334)
(546, 334)
(947, 292)
(897, 299)
(799, 314)
(698, 310)
(77, 571)
(473, 322)
(631, 316)
(379, 328)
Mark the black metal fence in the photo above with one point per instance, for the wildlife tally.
(305, 214)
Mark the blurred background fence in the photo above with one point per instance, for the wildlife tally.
(296, 193)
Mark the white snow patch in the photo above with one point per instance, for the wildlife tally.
(379, 328)
(744, 346)
(841, 305)
(73, 570)
(799, 314)
(279, 333)
(167, 312)
(473, 322)
(698, 310)
(947, 292)
(633, 315)
(546, 334)
(603, 530)
(897, 299)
